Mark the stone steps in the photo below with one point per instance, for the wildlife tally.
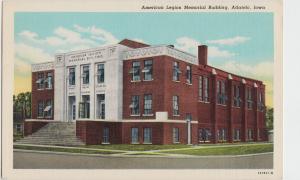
(54, 133)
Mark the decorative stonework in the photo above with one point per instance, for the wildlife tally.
(42, 66)
(159, 51)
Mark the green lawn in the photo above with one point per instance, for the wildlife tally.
(232, 150)
(37, 148)
(137, 147)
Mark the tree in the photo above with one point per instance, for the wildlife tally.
(22, 103)
(269, 118)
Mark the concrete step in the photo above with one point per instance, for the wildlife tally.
(54, 133)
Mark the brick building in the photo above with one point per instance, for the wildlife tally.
(135, 93)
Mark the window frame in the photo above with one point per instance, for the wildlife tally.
(148, 66)
(189, 74)
(136, 71)
(40, 109)
(133, 135)
(176, 72)
(148, 103)
(221, 92)
(176, 136)
(175, 105)
(85, 74)
(100, 76)
(105, 135)
(41, 78)
(135, 103)
(72, 76)
(147, 135)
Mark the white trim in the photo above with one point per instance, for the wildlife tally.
(139, 120)
(41, 120)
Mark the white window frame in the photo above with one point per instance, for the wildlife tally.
(134, 135)
(98, 74)
(175, 136)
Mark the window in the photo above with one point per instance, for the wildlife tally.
(148, 70)
(175, 105)
(134, 135)
(249, 98)
(49, 81)
(86, 74)
(176, 71)
(222, 134)
(236, 96)
(204, 135)
(136, 71)
(71, 76)
(100, 73)
(250, 134)
(84, 107)
(221, 92)
(40, 109)
(135, 105)
(48, 109)
(260, 103)
(189, 74)
(175, 135)
(203, 88)
(40, 81)
(236, 135)
(105, 138)
(101, 106)
(147, 135)
(148, 104)
(200, 88)
(18, 128)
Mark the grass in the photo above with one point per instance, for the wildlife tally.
(56, 149)
(137, 147)
(232, 150)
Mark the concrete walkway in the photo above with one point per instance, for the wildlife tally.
(56, 160)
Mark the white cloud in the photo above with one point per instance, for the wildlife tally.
(262, 70)
(28, 34)
(191, 45)
(229, 41)
(31, 54)
(97, 34)
(217, 52)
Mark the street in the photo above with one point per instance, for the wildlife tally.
(37, 160)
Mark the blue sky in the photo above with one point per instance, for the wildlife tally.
(239, 42)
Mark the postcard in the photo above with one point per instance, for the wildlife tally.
(142, 89)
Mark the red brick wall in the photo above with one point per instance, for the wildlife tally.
(41, 95)
(154, 87)
(120, 132)
(32, 127)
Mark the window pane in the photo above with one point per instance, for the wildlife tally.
(175, 135)
(147, 135)
(105, 135)
(85, 75)
(72, 76)
(100, 73)
(148, 69)
(148, 104)
(200, 88)
(176, 71)
(134, 135)
(136, 71)
(135, 105)
(175, 105)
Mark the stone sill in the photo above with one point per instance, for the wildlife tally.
(146, 115)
